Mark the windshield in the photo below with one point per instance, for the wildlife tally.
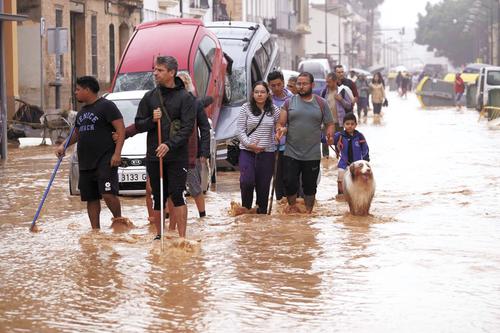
(238, 77)
(471, 70)
(128, 109)
(493, 78)
(317, 70)
(137, 81)
(134, 81)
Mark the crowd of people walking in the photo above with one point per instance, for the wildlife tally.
(283, 132)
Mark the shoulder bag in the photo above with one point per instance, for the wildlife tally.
(233, 149)
(175, 125)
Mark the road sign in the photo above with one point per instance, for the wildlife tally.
(57, 39)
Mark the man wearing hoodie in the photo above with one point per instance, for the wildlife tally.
(172, 103)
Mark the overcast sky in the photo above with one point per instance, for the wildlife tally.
(396, 14)
(404, 13)
(399, 13)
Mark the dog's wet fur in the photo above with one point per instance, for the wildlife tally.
(359, 187)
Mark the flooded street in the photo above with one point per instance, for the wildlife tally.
(427, 260)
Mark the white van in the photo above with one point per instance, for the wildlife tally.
(488, 90)
(319, 68)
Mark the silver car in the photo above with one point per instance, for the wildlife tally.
(132, 174)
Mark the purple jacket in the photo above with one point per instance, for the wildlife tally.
(341, 106)
(359, 149)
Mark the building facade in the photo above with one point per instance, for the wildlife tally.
(286, 20)
(338, 33)
(92, 37)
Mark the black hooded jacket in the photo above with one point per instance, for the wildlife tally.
(203, 128)
(179, 104)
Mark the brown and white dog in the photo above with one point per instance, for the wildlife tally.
(359, 187)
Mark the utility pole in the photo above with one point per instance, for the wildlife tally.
(326, 29)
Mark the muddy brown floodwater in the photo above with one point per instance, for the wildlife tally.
(427, 260)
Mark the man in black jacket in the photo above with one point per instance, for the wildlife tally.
(178, 107)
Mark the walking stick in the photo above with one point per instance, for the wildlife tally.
(162, 219)
(32, 227)
(276, 156)
(335, 150)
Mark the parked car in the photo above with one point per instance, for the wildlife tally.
(488, 90)
(132, 173)
(195, 47)
(254, 53)
(197, 50)
(319, 68)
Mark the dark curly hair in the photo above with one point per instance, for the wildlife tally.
(268, 106)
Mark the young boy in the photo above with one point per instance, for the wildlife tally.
(351, 146)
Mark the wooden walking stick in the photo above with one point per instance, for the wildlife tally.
(162, 219)
(276, 157)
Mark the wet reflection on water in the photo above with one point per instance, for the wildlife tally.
(427, 260)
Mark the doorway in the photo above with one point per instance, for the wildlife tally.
(78, 52)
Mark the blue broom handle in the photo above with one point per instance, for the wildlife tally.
(52, 179)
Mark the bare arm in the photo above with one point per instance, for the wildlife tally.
(60, 151)
(120, 133)
(330, 132)
(281, 125)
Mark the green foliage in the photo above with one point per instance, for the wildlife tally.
(442, 29)
(370, 4)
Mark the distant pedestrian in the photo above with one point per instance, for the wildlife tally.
(301, 119)
(405, 85)
(256, 125)
(351, 146)
(339, 71)
(377, 91)
(279, 95)
(291, 85)
(98, 155)
(364, 91)
(399, 82)
(338, 99)
(171, 103)
(459, 88)
(353, 76)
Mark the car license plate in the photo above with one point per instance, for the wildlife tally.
(126, 177)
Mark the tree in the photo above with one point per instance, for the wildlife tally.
(448, 29)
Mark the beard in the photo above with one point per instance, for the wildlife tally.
(305, 93)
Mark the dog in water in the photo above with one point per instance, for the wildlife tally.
(359, 187)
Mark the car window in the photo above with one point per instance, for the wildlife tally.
(256, 73)
(316, 69)
(201, 73)
(134, 81)
(208, 46)
(262, 59)
(493, 78)
(238, 78)
(128, 109)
